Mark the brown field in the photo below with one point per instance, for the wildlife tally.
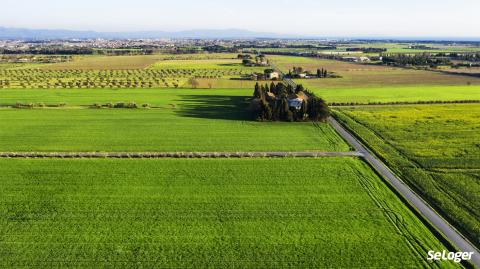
(360, 75)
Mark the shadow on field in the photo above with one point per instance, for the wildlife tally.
(214, 107)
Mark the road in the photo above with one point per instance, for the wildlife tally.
(156, 155)
(442, 225)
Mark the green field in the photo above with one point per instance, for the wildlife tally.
(180, 120)
(257, 213)
(434, 148)
(400, 94)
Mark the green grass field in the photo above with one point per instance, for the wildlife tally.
(434, 148)
(218, 213)
(181, 120)
(400, 94)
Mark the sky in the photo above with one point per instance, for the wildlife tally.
(334, 18)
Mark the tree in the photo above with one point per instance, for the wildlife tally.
(193, 82)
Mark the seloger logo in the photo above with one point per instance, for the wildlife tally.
(449, 256)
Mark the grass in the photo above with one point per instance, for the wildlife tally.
(367, 76)
(180, 120)
(218, 213)
(400, 94)
(435, 149)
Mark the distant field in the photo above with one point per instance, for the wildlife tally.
(181, 120)
(205, 213)
(367, 76)
(400, 94)
(434, 148)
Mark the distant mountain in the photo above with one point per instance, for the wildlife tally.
(39, 34)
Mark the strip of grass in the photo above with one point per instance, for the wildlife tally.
(400, 94)
(435, 149)
(257, 213)
(182, 120)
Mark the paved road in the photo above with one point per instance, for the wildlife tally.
(451, 233)
(153, 155)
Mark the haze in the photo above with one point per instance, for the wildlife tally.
(374, 18)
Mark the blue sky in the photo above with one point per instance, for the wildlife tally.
(382, 18)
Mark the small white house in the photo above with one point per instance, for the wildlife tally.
(274, 75)
(296, 101)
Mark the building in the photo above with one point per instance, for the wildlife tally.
(296, 101)
(274, 75)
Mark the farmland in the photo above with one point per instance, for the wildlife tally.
(367, 76)
(410, 94)
(205, 213)
(433, 148)
(178, 120)
(143, 71)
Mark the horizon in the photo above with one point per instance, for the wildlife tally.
(347, 18)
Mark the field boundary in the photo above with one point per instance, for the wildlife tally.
(400, 103)
(186, 155)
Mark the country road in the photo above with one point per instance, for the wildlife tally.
(433, 217)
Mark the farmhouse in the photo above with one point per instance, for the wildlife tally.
(296, 101)
(274, 75)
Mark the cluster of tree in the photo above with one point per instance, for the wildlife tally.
(122, 52)
(285, 46)
(279, 102)
(424, 59)
(368, 50)
(247, 60)
(218, 49)
(422, 47)
(299, 72)
(29, 58)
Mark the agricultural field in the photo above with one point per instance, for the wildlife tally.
(410, 94)
(105, 63)
(177, 213)
(144, 71)
(177, 120)
(355, 75)
(434, 148)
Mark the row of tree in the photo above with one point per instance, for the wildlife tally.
(279, 102)
(298, 72)
(414, 60)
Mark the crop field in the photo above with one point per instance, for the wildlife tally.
(399, 94)
(177, 213)
(434, 148)
(117, 79)
(106, 63)
(117, 72)
(178, 120)
(366, 76)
